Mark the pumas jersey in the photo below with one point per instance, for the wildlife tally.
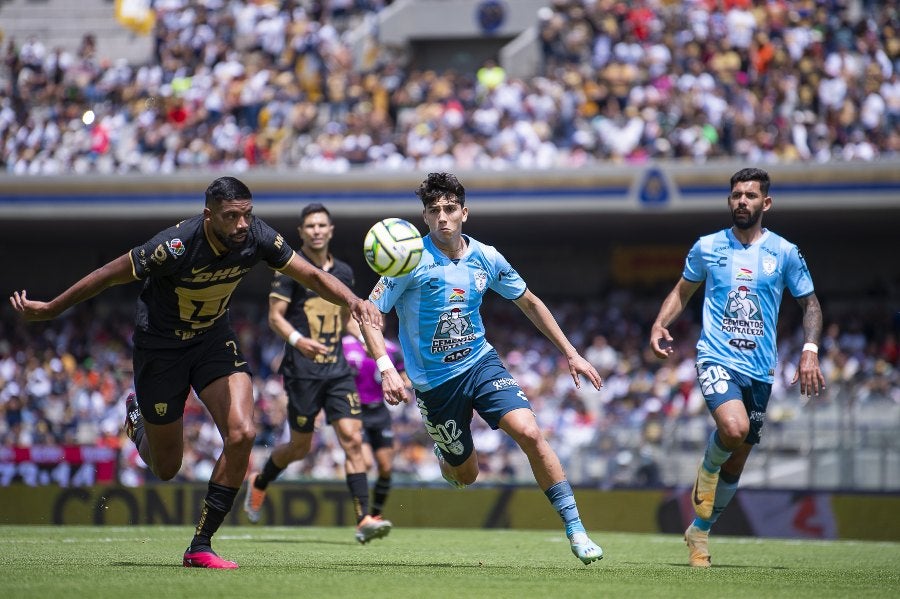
(744, 287)
(188, 283)
(317, 318)
(441, 332)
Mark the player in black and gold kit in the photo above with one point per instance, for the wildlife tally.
(183, 338)
(316, 375)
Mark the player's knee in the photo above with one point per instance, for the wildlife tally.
(468, 476)
(241, 437)
(530, 437)
(167, 470)
(733, 434)
(352, 442)
(356, 439)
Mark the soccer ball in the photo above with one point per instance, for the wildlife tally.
(393, 247)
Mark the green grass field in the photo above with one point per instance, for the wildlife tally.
(130, 562)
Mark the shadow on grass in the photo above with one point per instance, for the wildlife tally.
(380, 566)
(306, 541)
(146, 565)
(725, 566)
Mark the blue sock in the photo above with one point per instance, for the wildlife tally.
(563, 500)
(725, 490)
(715, 454)
(702, 524)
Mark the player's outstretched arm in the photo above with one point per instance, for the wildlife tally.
(392, 384)
(332, 289)
(808, 373)
(672, 307)
(538, 313)
(117, 272)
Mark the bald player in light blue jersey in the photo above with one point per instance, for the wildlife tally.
(746, 268)
(453, 369)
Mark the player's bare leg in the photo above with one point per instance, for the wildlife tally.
(161, 446)
(296, 449)
(349, 434)
(230, 403)
(548, 472)
(458, 476)
(384, 459)
(697, 534)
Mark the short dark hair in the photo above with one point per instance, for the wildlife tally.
(752, 174)
(313, 209)
(438, 185)
(227, 188)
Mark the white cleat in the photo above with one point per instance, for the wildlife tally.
(585, 549)
(372, 527)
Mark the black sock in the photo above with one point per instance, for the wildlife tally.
(269, 473)
(359, 489)
(216, 506)
(379, 495)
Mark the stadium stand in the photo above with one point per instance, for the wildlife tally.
(240, 85)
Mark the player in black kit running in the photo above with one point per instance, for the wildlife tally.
(183, 338)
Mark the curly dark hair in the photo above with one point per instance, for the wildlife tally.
(439, 185)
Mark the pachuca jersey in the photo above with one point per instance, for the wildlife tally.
(316, 318)
(188, 283)
(744, 286)
(441, 331)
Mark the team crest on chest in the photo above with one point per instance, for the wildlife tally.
(480, 281)
(769, 264)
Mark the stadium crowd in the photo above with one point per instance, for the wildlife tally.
(241, 84)
(64, 382)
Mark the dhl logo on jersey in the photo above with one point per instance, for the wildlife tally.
(203, 275)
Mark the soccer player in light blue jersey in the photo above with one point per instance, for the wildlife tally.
(454, 370)
(745, 269)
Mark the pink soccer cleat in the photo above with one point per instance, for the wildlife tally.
(207, 559)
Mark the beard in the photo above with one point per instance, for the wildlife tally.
(745, 221)
(231, 243)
